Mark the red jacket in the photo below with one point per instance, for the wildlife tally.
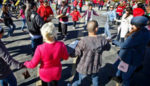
(80, 3)
(45, 12)
(75, 15)
(101, 2)
(119, 10)
(49, 56)
(75, 3)
(138, 12)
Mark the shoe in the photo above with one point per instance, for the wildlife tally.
(117, 79)
(65, 38)
(74, 27)
(103, 34)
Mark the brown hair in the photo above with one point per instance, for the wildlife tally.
(130, 33)
(129, 9)
(5, 10)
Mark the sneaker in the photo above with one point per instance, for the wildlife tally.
(74, 27)
(65, 38)
(103, 34)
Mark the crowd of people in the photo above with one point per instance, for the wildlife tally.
(133, 37)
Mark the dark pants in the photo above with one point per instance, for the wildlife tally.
(74, 23)
(52, 83)
(35, 43)
(62, 28)
(10, 79)
(80, 9)
(12, 27)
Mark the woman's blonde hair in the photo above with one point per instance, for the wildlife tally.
(48, 31)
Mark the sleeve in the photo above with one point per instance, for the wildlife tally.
(68, 11)
(114, 13)
(129, 43)
(106, 44)
(38, 11)
(35, 60)
(78, 49)
(39, 21)
(71, 13)
(84, 13)
(65, 54)
(51, 11)
(8, 59)
(95, 13)
(79, 15)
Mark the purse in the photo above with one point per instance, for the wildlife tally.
(26, 74)
(123, 66)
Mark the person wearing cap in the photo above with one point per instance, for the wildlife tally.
(132, 50)
(111, 17)
(63, 14)
(6, 74)
(45, 11)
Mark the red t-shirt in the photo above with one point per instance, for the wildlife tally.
(75, 15)
(138, 12)
(120, 10)
(45, 12)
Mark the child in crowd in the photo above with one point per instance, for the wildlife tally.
(75, 17)
(75, 3)
(89, 14)
(80, 5)
(22, 14)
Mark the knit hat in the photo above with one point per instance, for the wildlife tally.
(139, 21)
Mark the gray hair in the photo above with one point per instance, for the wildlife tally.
(48, 31)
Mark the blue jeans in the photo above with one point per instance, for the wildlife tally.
(11, 27)
(125, 76)
(10, 79)
(23, 24)
(82, 77)
(107, 31)
(35, 43)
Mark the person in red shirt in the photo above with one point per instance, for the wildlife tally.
(45, 11)
(119, 11)
(101, 4)
(75, 3)
(80, 5)
(138, 11)
(75, 16)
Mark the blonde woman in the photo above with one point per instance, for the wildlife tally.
(49, 55)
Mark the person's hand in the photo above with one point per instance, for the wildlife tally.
(1, 20)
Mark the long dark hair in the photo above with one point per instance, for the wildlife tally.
(129, 9)
(23, 8)
(5, 9)
(133, 31)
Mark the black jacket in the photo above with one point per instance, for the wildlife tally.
(35, 23)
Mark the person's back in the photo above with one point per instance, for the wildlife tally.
(93, 48)
(89, 51)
